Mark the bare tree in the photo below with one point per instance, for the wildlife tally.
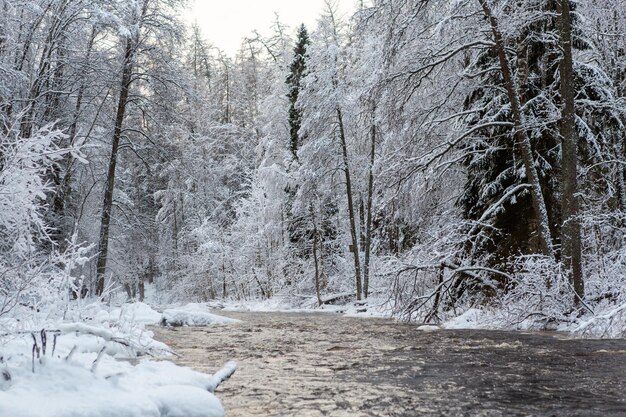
(131, 43)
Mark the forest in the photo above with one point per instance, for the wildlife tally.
(433, 156)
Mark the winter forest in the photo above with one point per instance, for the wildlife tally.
(425, 158)
(438, 154)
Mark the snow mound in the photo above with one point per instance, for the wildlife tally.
(60, 388)
(473, 318)
(185, 401)
(193, 315)
(138, 313)
(428, 328)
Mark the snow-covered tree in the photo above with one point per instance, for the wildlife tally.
(33, 270)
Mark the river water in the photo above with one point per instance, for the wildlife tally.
(310, 365)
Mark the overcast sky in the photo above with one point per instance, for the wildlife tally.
(225, 22)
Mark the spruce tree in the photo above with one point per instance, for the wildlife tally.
(494, 164)
(297, 71)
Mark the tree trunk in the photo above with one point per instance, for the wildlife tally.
(621, 193)
(224, 293)
(103, 243)
(351, 213)
(571, 252)
(368, 208)
(129, 59)
(539, 205)
(316, 260)
(141, 290)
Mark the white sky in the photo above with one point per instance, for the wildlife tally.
(225, 22)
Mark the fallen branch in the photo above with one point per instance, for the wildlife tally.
(333, 298)
(419, 302)
(222, 375)
(81, 328)
(71, 354)
(108, 336)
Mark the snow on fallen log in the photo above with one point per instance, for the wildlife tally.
(139, 347)
(337, 298)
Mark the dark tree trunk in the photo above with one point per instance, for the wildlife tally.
(103, 243)
(368, 220)
(571, 252)
(129, 58)
(351, 209)
(316, 261)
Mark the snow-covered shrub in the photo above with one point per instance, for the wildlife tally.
(430, 283)
(605, 275)
(32, 271)
(537, 295)
(540, 296)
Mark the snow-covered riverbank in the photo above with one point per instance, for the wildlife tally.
(99, 362)
(607, 322)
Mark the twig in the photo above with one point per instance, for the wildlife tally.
(69, 355)
(34, 350)
(43, 341)
(580, 298)
(94, 366)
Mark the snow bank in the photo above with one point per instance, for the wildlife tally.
(607, 323)
(90, 368)
(193, 315)
(427, 328)
(60, 388)
(473, 318)
(138, 313)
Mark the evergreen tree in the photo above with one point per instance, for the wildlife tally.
(494, 163)
(297, 71)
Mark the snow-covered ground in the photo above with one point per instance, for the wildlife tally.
(373, 307)
(94, 363)
(605, 324)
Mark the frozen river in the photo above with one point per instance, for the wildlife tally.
(311, 365)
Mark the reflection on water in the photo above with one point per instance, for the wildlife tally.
(311, 365)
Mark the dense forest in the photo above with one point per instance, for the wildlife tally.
(435, 155)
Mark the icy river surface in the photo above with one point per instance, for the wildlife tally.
(310, 365)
